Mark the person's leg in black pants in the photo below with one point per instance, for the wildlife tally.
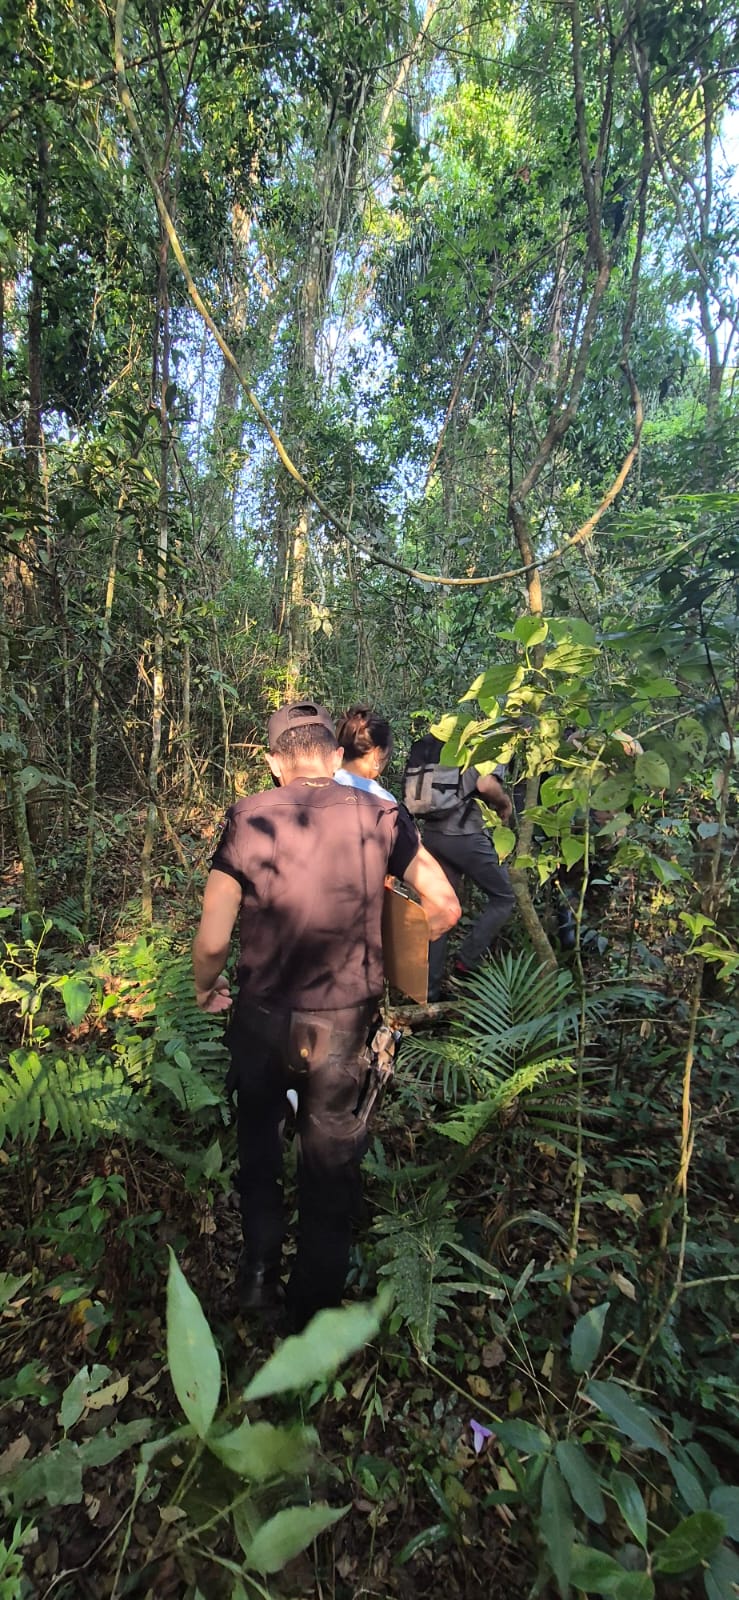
(470, 855)
(437, 947)
(332, 1141)
(257, 1041)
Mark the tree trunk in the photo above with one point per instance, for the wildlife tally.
(97, 690)
(336, 167)
(34, 435)
(186, 720)
(13, 753)
(163, 329)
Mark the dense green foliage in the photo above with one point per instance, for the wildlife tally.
(390, 355)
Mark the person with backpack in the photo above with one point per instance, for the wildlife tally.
(447, 800)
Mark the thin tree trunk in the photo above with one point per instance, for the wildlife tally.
(13, 763)
(186, 720)
(157, 708)
(66, 689)
(35, 311)
(97, 691)
(225, 726)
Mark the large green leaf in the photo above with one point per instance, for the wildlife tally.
(308, 1357)
(194, 1366)
(613, 793)
(494, 683)
(504, 840)
(693, 1541)
(555, 1524)
(631, 1418)
(652, 770)
(258, 1450)
(630, 1502)
(530, 630)
(75, 1397)
(595, 1572)
(725, 1501)
(690, 1488)
(721, 1579)
(77, 997)
(54, 1478)
(287, 1533)
(523, 1436)
(586, 1337)
(580, 1479)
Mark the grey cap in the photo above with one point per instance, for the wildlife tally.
(299, 714)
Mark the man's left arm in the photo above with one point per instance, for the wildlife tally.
(221, 903)
(434, 891)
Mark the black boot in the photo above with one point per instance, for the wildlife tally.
(258, 1286)
(565, 925)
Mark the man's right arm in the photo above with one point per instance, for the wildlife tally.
(434, 891)
(212, 941)
(490, 789)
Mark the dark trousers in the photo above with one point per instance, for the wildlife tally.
(469, 855)
(323, 1055)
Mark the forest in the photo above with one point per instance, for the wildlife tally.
(387, 355)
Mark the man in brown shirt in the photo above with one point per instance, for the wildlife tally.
(303, 866)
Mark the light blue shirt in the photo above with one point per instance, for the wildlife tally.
(352, 780)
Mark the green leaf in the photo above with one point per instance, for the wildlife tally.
(691, 737)
(308, 1357)
(630, 1502)
(504, 840)
(435, 1534)
(586, 1336)
(530, 630)
(613, 793)
(690, 1488)
(523, 1436)
(573, 850)
(652, 770)
(77, 997)
(721, 1580)
(725, 1501)
(555, 1524)
(9, 1286)
(448, 726)
(75, 1397)
(194, 1366)
(109, 1444)
(595, 1572)
(55, 1478)
(631, 1418)
(258, 1450)
(694, 1540)
(580, 1479)
(287, 1533)
(574, 659)
(494, 683)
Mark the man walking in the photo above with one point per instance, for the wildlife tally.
(455, 835)
(304, 866)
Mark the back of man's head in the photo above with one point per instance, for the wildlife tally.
(302, 734)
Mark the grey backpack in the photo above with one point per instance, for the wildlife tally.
(431, 790)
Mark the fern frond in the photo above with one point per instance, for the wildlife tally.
(421, 1269)
(471, 1120)
(81, 1099)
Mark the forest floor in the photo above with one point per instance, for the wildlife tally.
(432, 1505)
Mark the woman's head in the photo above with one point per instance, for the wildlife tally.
(363, 731)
